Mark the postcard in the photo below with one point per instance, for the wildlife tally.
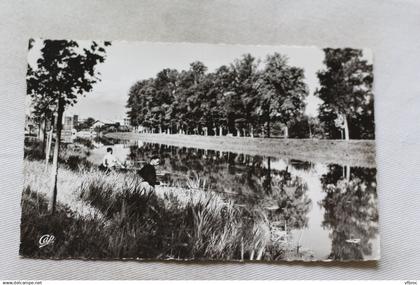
(195, 151)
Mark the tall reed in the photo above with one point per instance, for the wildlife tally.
(114, 216)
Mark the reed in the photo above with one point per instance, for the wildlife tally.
(113, 216)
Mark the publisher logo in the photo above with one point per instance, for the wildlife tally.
(46, 240)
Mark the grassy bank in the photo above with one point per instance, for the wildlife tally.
(111, 216)
(74, 156)
(352, 153)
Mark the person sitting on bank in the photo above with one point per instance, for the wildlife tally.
(148, 172)
(110, 162)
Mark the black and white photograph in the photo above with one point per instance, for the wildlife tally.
(198, 152)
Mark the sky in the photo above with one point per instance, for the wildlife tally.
(128, 62)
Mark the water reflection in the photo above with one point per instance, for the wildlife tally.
(316, 211)
(350, 211)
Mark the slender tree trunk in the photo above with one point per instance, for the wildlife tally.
(268, 177)
(286, 132)
(242, 248)
(48, 150)
(346, 128)
(268, 121)
(347, 172)
(39, 135)
(44, 137)
(59, 125)
(260, 253)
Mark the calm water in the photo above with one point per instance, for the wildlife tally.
(325, 211)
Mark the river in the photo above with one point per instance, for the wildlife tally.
(329, 211)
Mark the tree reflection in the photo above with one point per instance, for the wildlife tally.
(240, 176)
(350, 211)
(289, 193)
(246, 179)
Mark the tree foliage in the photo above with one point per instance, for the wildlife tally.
(346, 91)
(64, 71)
(240, 98)
(86, 124)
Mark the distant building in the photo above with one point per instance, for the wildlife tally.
(98, 124)
(123, 122)
(81, 120)
(75, 120)
(68, 129)
(68, 122)
(127, 122)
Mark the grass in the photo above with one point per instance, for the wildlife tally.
(74, 156)
(100, 216)
(353, 153)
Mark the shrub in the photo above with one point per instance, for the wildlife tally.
(33, 149)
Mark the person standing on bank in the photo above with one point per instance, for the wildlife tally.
(148, 173)
(110, 162)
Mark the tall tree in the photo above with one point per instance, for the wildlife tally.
(135, 103)
(43, 107)
(346, 91)
(282, 92)
(195, 93)
(244, 96)
(222, 85)
(64, 71)
(165, 85)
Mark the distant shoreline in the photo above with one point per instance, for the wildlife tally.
(359, 153)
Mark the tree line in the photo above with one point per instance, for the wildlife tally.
(239, 99)
(250, 97)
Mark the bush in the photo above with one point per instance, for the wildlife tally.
(33, 149)
(84, 141)
(73, 156)
(75, 162)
